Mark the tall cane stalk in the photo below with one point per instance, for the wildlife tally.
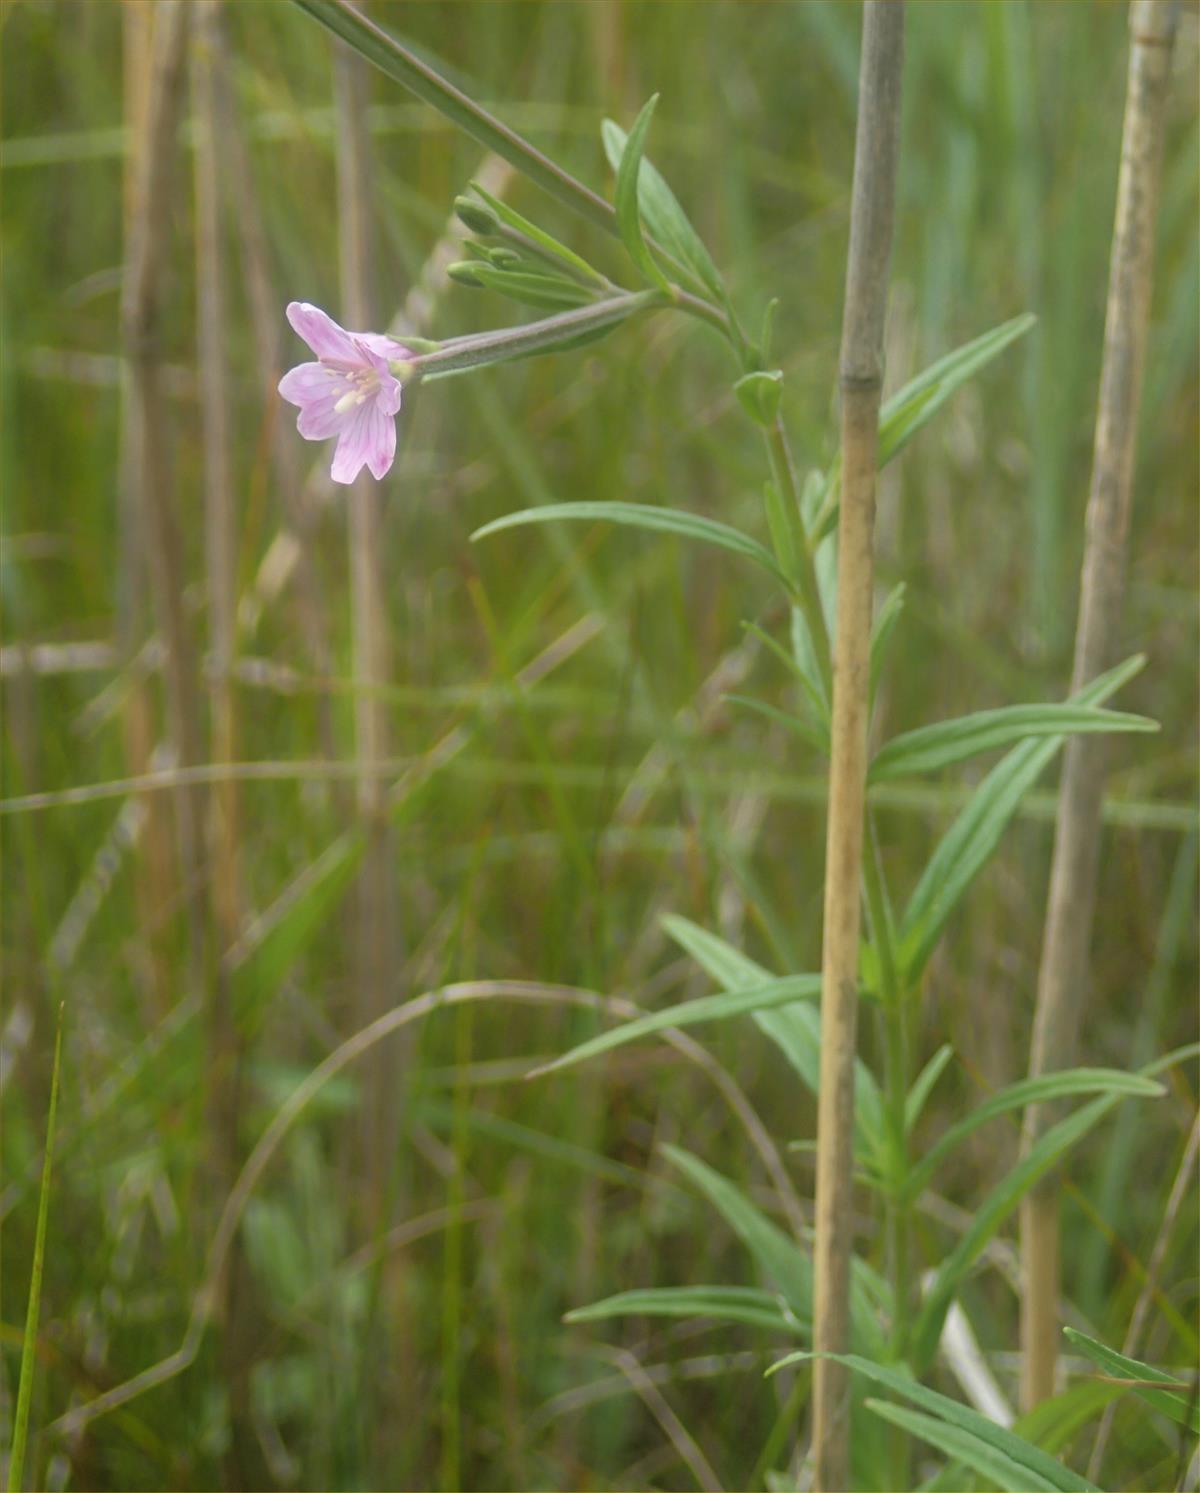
(876, 151)
(1072, 897)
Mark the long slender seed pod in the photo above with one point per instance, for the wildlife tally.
(149, 470)
(1073, 875)
(876, 152)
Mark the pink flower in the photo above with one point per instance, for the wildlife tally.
(351, 392)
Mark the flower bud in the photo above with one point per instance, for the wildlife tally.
(477, 217)
(759, 395)
(462, 272)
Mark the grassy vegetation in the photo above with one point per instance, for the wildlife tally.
(554, 816)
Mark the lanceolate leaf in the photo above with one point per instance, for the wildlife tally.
(807, 730)
(951, 1413)
(723, 1303)
(999, 1469)
(778, 992)
(795, 1030)
(1045, 1153)
(931, 747)
(974, 835)
(663, 215)
(924, 1084)
(1143, 1381)
(641, 516)
(539, 236)
(1040, 1090)
(530, 288)
(629, 215)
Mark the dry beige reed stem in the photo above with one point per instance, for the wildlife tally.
(155, 879)
(1072, 896)
(876, 152)
(149, 471)
(377, 951)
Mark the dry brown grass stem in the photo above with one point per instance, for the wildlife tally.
(376, 942)
(876, 153)
(148, 471)
(1072, 897)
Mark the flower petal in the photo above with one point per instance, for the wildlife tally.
(316, 388)
(330, 342)
(384, 346)
(367, 439)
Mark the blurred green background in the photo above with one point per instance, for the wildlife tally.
(575, 812)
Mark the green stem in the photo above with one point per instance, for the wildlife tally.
(809, 593)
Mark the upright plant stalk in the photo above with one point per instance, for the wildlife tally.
(1073, 874)
(376, 899)
(876, 151)
(149, 470)
(154, 875)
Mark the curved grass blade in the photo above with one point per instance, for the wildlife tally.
(924, 1083)
(743, 1304)
(1070, 1083)
(808, 731)
(1143, 1380)
(951, 1413)
(403, 66)
(931, 747)
(20, 1430)
(629, 216)
(642, 516)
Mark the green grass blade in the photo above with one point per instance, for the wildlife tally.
(1040, 1090)
(924, 1083)
(1142, 1379)
(629, 216)
(1000, 1470)
(931, 747)
(778, 992)
(951, 1413)
(742, 1304)
(808, 731)
(643, 516)
(403, 66)
(20, 1433)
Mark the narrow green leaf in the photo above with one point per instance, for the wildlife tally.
(881, 632)
(629, 215)
(779, 992)
(1000, 1470)
(924, 1085)
(783, 1260)
(1143, 1379)
(913, 406)
(795, 1030)
(1069, 1083)
(807, 730)
(663, 215)
(743, 1304)
(530, 288)
(385, 52)
(538, 236)
(20, 1427)
(1045, 1153)
(949, 1411)
(974, 835)
(642, 516)
(931, 747)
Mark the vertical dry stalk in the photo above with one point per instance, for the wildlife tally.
(154, 875)
(1072, 894)
(377, 952)
(148, 471)
(267, 326)
(876, 150)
